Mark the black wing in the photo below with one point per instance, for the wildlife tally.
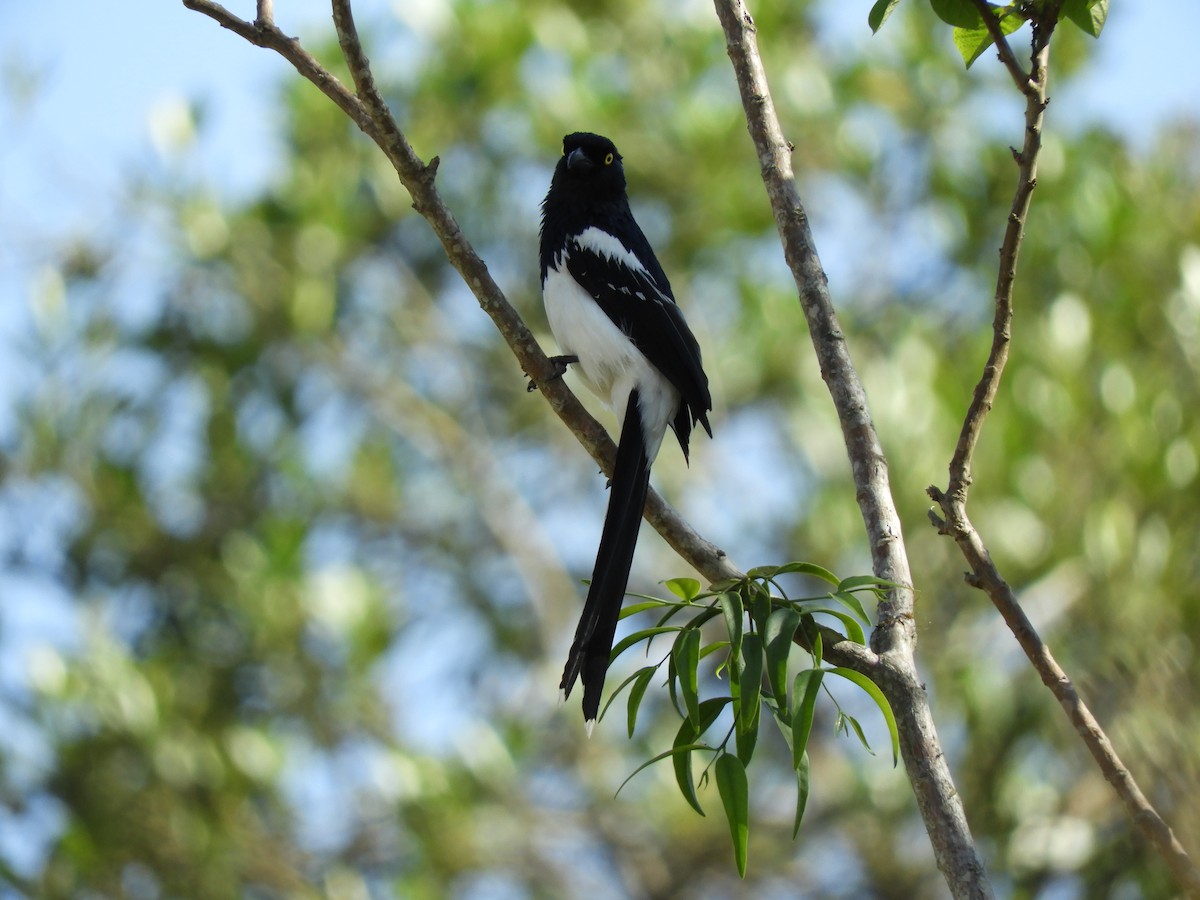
(648, 314)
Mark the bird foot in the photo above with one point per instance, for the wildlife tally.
(560, 364)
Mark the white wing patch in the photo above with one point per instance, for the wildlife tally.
(604, 244)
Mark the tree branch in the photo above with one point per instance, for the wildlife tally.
(953, 502)
(991, 21)
(895, 634)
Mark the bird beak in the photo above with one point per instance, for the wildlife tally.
(577, 161)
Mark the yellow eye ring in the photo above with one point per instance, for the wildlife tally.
(608, 159)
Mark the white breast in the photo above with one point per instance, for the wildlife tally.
(609, 363)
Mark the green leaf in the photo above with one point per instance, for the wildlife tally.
(959, 13)
(634, 608)
(879, 13)
(731, 608)
(1089, 15)
(781, 628)
(747, 739)
(856, 582)
(801, 793)
(676, 750)
(749, 667)
(862, 738)
(807, 568)
(735, 797)
(873, 691)
(629, 640)
(854, 631)
(759, 603)
(687, 736)
(804, 702)
(853, 604)
(971, 42)
(641, 682)
(686, 655)
(818, 649)
(684, 588)
(763, 572)
(620, 687)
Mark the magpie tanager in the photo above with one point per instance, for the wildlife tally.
(613, 315)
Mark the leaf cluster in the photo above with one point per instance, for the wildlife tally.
(762, 624)
(977, 22)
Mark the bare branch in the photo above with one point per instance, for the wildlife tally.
(895, 635)
(953, 502)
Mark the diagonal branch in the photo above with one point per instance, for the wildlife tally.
(369, 112)
(991, 21)
(953, 501)
(937, 798)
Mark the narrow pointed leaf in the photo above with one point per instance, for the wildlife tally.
(750, 678)
(686, 654)
(629, 640)
(806, 568)
(634, 608)
(641, 682)
(620, 687)
(862, 738)
(735, 797)
(675, 751)
(804, 702)
(746, 734)
(801, 793)
(781, 628)
(881, 701)
(688, 736)
(854, 631)
(852, 603)
(758, 602)
(731, 608)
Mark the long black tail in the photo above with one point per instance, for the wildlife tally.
(598, 623)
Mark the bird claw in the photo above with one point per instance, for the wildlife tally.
(560, 364)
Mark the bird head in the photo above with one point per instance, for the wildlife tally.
(592, 164)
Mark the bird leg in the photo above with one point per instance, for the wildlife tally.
(559, 363)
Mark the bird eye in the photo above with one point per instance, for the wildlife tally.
(608, 158)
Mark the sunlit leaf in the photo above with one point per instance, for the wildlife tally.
(685, 589)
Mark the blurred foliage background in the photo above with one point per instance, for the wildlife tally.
(313, 554)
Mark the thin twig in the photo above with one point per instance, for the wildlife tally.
(991, 21)
(894, 637)
(953, 501)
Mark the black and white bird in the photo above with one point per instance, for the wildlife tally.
(614, 316)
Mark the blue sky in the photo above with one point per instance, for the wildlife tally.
(103, 77)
